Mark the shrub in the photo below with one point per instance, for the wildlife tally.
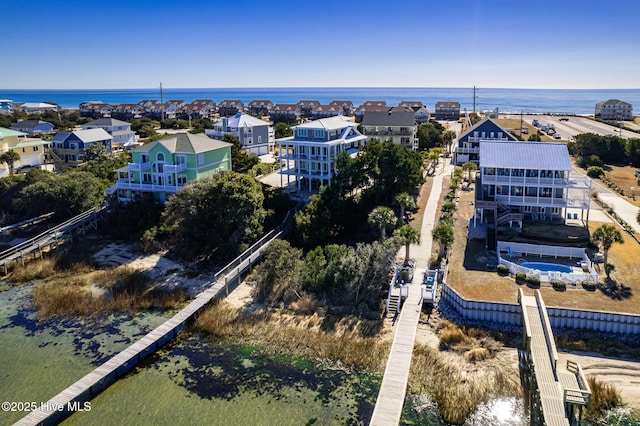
(589, 285)
(521, 277)
(502, 270)
(477, 354)
(594, 172)
(559, 285)
(604, 398)
(533, 280)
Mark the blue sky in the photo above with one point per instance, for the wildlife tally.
(66, 44)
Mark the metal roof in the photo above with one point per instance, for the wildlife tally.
(331, 123)
(243, 120)
(525, 155)
(5, 133)
(101, 122)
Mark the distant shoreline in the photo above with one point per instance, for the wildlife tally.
(527, 101)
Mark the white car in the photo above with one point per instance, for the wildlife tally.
(557, 136)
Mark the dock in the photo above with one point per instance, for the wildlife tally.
(66, 402)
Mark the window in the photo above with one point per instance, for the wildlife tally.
(35, 149)
(160, 157)
(302, 133)
(182, 180)
(318, 134)
(200, 159)
(146, 178)
(259, 139)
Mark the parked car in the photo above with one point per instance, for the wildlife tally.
(557, 136)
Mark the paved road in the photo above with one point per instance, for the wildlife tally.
(622, 207)
(576, 125)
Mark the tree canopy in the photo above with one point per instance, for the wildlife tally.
(240, 161)
(214, 217)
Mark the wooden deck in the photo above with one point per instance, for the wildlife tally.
(388, 409)
(557, 388)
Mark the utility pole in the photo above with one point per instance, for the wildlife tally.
(161, 104)
(474, 99)
(520, 123)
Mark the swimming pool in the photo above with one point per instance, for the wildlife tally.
(547, 267)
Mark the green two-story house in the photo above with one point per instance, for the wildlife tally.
(161, 168)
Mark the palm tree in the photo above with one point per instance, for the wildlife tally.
(469, 167)
(9, 157)
(443, 234)
(447, 139)
(433, 157)
(605, 236)
(408, 236)
(382, 217)
(405, 201)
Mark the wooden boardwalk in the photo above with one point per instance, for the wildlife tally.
(561, 393)
(97, 380)
(388, 409)
(48, 238)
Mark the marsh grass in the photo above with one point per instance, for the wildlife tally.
(458, 387)
(348, 342)
(474, 343)
(71, 293)
(35, 270)
(604, 397)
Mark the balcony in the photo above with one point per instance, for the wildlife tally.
(136, 167)
(144, 186)
(174, 168)
(388, 132)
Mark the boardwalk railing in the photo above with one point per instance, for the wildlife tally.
(120, 364)
(48, 237)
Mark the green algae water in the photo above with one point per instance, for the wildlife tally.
(197, 381)
(194, 380)
(40, 359)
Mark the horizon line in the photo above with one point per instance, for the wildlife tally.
(311, 87)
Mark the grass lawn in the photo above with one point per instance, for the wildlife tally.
(625, 178)
(468, 275)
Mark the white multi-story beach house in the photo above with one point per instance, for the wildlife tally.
(519, 181)
(467, 148)
(614, 109)
(257, 136)
(311, 152)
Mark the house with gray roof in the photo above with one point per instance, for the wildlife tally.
(395, 125)
(257, 136)
(119, 130)
(369, 106)
(68, 148)
(467, 147)
(163, 167)
(520, 181)
(33, 127)
(614, 109)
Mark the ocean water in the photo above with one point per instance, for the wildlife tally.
(574, 101)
